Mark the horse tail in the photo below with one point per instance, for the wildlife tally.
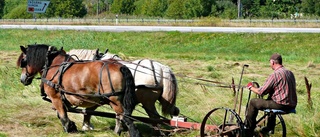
(170, 91)
(129, 99)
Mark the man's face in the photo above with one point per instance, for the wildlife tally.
(271, 63)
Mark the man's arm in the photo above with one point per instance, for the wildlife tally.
(255, 90)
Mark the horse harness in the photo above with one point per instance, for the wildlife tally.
(103, 98)
(154, 75)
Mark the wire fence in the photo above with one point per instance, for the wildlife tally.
(149, 21)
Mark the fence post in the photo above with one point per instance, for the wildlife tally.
(158, 21)
(117, 19)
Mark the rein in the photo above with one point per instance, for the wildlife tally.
(214, 83)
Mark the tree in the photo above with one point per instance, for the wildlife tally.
(176, 9)
(2, 3)
(184, 9)
(142, 7)
(19, 12)
(193, 8)
(226, 9)
(123, 6)
(311, 7)
(66, 9)
(207, 7)
(11, 4)
(158, 8)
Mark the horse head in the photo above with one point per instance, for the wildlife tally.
(107, 55)
(97, 55)
(33, 59)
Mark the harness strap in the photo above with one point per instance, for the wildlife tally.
(152, 69)
(105, 64)
(154, 73)
(62, 69)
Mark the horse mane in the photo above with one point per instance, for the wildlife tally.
(36, 54)
(82, 54)
(109, 55)
(19, 60)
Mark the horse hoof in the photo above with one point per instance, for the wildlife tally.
(72, 128)
(117, 130)
(87, 127)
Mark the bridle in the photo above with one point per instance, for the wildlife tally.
(23, 64)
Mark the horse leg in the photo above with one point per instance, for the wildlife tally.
(119, 127)
(129, 123)
(86, 120)
(148, 97)
(68, 125)
(124, 118)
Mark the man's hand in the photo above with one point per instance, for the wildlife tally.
(250, 85)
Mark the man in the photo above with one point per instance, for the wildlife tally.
(281, 89)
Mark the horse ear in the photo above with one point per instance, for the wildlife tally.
(106, 51)
(63, 51)
(97, 51)
(23, 49)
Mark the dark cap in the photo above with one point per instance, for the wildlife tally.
(276, 57)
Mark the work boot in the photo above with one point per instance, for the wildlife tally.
(264, 131)
(248, 132)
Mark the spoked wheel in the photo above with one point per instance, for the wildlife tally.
(221, 122)
(280, 127)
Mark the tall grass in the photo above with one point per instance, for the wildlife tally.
(214, 56)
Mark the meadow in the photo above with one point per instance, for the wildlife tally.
(212, 56)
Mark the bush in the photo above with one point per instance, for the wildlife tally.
(20, 12)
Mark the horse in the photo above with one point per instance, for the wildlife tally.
(153, 80)
(88, 84)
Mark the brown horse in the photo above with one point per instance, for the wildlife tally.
(89, 84)
(154, 81)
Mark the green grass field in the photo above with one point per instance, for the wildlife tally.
(213, 56)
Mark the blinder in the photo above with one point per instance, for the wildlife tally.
(23, 63)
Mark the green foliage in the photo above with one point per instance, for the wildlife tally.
(2, 3)
(207, 7)
(66, 9)
(226, 9)
(251, 8)
(92, 7)
(19, 12)
(123, 6)
(193, 8)
(183, 9)
(311, 7)
(176, 9)
(142, 7)
(12, 4)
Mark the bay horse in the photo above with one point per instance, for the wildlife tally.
(153, 80)
(87, 84)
